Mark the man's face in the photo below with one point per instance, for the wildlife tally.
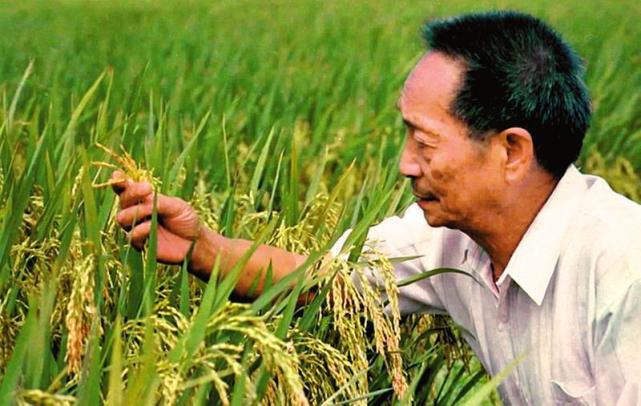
(454, 177)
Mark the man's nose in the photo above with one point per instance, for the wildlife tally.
(408, 165)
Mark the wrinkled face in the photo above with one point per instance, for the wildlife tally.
(454, 177)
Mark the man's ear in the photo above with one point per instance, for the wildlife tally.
(518, 150)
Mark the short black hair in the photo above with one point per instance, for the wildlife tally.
(519, 73)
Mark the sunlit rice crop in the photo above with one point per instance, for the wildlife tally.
(273, 132)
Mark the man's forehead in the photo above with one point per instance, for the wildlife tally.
(403, 93)
(434, 80)
(435, 68)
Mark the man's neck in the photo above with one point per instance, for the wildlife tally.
(506, 228)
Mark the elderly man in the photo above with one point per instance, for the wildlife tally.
(496, 112)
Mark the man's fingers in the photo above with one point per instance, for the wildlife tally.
(135, 214)
(166, 206)
(139, 234)
(119, 180)
(134, 193)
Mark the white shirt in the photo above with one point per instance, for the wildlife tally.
(569, 298)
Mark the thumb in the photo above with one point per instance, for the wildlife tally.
(118, 181)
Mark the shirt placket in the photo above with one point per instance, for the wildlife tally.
(504, 332)
(480, 262)
(500, 293)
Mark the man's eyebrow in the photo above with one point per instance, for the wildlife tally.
(412, 125)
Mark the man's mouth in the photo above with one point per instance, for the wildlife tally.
(427, 197)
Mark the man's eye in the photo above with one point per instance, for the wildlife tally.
(423, 142)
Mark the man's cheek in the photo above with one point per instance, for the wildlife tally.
(437, 174)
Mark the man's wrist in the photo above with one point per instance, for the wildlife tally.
(206, 247)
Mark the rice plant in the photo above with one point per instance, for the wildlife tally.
(277, 122)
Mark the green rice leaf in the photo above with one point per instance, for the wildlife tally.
(420, 276)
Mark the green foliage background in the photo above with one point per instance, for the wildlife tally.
(255, 111)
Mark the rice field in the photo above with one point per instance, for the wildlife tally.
(277, 121)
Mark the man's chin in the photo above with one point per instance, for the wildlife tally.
(433, 220)
(432, 213)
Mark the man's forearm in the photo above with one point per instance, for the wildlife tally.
(210, 245)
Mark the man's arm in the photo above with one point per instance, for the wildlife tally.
(179, 228)
(211, 245)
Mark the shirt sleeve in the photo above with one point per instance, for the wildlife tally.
(617, 354)
(397, 237)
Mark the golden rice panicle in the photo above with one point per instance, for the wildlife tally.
(312, 231)
(9, 327)
(206, 204)
(80, 312)
(324, 369)
(292, 238)
(31, 255)
(128, 165)
(620, 174)
(42, 398)
(166, 325)
(345, 304)
(277, 356)
(217, 359)
(378, 261)
(171, 381)
(249, 221)
(211, 363)
(376, 284)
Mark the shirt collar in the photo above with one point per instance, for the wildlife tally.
(534, 260)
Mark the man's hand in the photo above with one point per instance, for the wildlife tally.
(179, 229)
(178, 224)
